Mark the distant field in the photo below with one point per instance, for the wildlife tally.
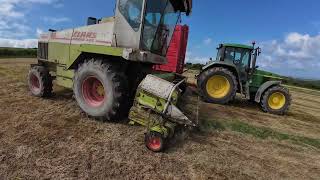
(53, 139)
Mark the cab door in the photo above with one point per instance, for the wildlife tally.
(242, 61)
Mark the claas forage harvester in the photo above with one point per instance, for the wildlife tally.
(105, 61)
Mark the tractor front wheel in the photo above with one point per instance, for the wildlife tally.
(276, 100)
(217, 85)
(40, 81)
(154, 141)
(100, 89)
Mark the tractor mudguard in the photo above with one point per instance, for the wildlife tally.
(263, 88)
(232, 67)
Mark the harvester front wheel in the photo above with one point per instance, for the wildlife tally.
(154, 141)
(217, 85)
(276, 100)
(100, 89)
(40, 81)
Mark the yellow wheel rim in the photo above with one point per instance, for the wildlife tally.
(218, 86)
(277, 100)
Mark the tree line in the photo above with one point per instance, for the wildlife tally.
(17, 52)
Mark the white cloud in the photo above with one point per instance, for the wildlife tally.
(25, 43)
(207, 41)
(54, 20)
(196, 59)
(295, 53)
(14, 30)
(8, 8)
(13, 27)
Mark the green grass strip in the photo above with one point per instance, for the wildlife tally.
(255, 131)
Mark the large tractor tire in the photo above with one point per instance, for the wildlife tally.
(101, 90)
(40, 81)
(276, 100)
(217, 85)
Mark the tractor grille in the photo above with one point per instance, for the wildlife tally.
(43, 50)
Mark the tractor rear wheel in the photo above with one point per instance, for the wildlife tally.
(101, 90)
(218, 85)
(276, 100)
(40, 81)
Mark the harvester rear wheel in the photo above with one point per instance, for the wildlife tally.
(100, 89)
(217, 85)
(154, 141)
(40, 81)
(276, 100)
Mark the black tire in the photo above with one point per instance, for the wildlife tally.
(204, 77)
(114, 84)
(272, 90)
(154, 141)
(40, 81)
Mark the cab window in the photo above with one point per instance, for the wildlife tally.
(132, 10)
(239, 56)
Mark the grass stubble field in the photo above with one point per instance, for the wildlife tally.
(52, 138)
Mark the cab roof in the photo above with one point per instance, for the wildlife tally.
(238, 46)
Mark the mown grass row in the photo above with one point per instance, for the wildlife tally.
(255, 131)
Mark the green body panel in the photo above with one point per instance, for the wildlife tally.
(260, 77)
(67, 54)
(76, 50)
(63, 72)
(64, 82)
(220, 63)
(146, 99)
(238, 46)
(64, 76)
(64, 56)
(147, 112)
(58, 52)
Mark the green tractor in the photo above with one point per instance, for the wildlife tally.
(105, 61)
(235, 71)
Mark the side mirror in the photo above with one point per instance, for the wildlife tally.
(256, 67)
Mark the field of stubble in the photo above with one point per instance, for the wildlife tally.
(53, 139)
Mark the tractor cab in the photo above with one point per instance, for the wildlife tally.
(243, 57)
(148, 25)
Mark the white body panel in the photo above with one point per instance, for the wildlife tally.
(98, 34)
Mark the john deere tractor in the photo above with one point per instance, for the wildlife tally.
(235, 71)
(104, 62)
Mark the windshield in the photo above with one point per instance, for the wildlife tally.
(239, 56)
(159, 24)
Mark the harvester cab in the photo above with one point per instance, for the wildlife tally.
(235, 71)
(147, 25)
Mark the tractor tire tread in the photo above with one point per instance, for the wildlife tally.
(120, 87)
(203, 77)
(44, 78)
(266, 94)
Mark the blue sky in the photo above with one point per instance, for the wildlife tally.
(287, 30)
